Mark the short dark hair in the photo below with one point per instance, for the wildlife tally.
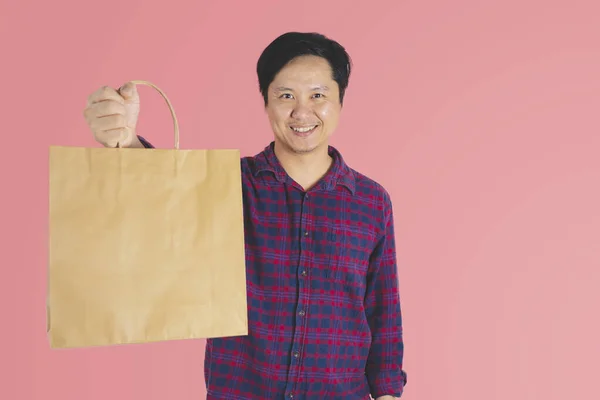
(290, 45)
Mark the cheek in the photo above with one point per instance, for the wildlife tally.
(328, 112)
(278, 115)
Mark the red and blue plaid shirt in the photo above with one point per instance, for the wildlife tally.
(323, 301)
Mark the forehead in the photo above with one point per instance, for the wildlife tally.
(305, 70)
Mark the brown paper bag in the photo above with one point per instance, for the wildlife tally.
(145, 245)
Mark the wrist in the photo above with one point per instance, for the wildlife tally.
(136, 143)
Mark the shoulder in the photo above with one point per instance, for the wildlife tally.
(369, 188)
(247, 162)
(375, 200)
(254, 162)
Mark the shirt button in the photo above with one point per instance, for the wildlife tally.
(301, 313)
(296, 354)
(306, 233)
(291, 395)
(303, 272)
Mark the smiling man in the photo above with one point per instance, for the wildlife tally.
(323, 300)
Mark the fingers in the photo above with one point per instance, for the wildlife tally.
(129, 92)
(114, 137)
(108, 123)
(111, 115)
(103, 94)
(104, 109)
(105, 116)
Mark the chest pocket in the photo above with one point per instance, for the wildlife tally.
(349, 257)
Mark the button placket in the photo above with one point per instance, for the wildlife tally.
(305, 242)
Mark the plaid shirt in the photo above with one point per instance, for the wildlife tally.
(323, 302)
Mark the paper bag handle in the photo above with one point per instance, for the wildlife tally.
(175, 123)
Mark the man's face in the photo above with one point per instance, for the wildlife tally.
(304, 105)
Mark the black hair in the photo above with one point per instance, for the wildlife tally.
(290, 45)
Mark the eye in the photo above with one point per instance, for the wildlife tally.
(318, 95)
(286, 96)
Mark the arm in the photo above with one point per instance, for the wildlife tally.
(382, 306)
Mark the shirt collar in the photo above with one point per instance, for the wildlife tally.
(339, 173)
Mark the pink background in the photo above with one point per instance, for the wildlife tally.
(480, 117)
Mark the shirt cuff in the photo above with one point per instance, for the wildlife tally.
(145, 143)
(387, 383)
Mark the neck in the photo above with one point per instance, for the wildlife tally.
(305, 169)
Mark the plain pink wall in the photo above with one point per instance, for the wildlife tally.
(480, 117)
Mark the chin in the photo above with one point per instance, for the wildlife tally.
(304, 150)
(304, 146)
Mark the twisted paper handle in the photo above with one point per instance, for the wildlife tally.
(175, 123)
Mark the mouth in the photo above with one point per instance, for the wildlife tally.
(303, 130)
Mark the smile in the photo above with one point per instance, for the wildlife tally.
(303, 129)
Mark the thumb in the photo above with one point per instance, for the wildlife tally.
(129, 92)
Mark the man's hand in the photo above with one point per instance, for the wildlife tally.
(112, 116)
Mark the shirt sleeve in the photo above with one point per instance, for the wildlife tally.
(382, 306)
(146, 143)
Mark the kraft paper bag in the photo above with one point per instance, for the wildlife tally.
(145, 245)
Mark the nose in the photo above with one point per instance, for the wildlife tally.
(301, 110)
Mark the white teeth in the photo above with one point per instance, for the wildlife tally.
(304, 130)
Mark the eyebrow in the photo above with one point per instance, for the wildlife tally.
(316, 87)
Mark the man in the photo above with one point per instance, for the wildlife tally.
(323, 301)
